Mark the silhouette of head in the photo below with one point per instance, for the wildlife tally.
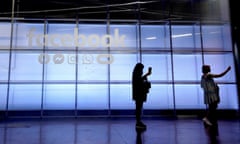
(206, 68)
(138, 69)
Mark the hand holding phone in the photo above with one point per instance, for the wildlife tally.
(149, 70)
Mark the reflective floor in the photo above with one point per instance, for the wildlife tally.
(116, 131)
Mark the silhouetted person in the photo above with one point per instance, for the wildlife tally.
(140, 88)
(211, 96)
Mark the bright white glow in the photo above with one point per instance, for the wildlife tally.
(151, 38)
(215, 32)
(181, 35)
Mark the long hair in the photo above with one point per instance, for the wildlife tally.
(137, 80)
(138, 70)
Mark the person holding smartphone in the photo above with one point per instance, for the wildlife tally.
(140, 88)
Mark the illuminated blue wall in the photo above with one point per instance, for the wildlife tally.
(47, 65)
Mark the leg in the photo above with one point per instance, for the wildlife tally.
(139, 124)
(213, 118)
(206, 118)
(138, 111)
(212, 115)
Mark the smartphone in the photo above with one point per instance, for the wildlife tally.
(150, 69)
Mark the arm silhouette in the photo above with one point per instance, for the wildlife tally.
(221, 74)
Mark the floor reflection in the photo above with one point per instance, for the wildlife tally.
(139, 135)
(117, 131)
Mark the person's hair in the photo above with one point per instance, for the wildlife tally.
(205, 68)
(139, 66)
(138, 69)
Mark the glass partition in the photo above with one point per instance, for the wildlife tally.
(28, 36)
(228, 95)
(92, 97)
(60, 36)
(187, 67)
(189, 96)
(5, 35)
(125, 37)
(121, 97)
(160, 97)
(122, 67)
(186, 37)
(155, 37)
(25, 97)
(4, 65)
(25, 66)
(59, 97)
(92, 67)
(213, 35)
(3, 96)
(55, 65)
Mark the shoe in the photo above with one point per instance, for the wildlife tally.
(207, 121)
(141, 125)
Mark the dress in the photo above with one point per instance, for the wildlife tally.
(210, 88)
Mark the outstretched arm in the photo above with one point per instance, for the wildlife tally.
(221, 74)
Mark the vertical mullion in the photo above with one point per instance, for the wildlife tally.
(43, 67)
(108, 68)
(172, 67)
(76, 75)
(139, 30)
(10, 59)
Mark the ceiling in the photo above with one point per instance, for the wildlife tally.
(113, 9)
